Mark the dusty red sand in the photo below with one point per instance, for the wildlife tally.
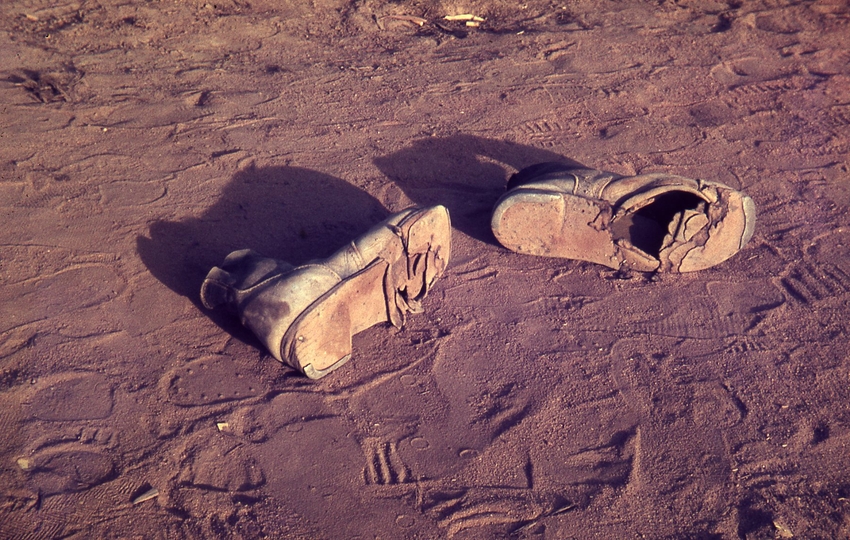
(535, 398)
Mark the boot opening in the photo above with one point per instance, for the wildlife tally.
(647, 227)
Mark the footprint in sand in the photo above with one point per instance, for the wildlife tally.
(807, 283)
(491, 512)
(65, 291)
(224, 468)
(682, 410)
(696, 310)
(384, 466)
(71, 396)
(67, 468)
(209, 380)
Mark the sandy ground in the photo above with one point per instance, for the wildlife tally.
(141, 141)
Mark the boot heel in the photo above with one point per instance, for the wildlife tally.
(319, 340)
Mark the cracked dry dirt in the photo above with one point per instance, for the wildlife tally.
(141, 141)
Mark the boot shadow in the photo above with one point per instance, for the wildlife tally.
(286, 213)
(464, 173)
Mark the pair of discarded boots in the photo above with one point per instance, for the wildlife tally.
(306, 316)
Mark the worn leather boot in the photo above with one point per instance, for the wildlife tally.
(307, 315)
(650, 222)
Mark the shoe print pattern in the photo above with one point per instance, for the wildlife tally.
(383, 463)
(808, 283)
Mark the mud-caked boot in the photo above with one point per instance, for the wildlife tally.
(307, 315)
(650, 222)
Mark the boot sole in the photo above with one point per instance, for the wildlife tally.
(549, 224)
(319, 340)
